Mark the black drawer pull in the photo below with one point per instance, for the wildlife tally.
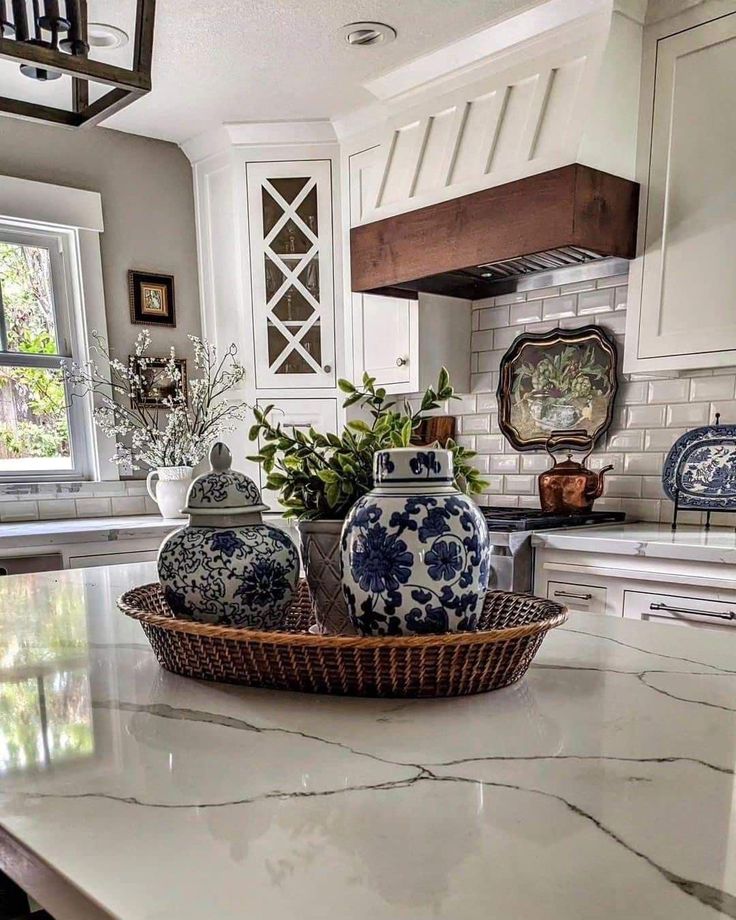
(730, 615)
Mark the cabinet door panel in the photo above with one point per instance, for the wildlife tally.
(689, 273)
(385, 340)
(576, 597)
(290, 228)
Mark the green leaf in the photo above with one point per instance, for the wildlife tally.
(345, 385)
(359, 425)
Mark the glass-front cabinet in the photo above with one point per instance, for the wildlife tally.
(291, 246)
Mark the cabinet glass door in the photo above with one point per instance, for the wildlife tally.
(290, 221)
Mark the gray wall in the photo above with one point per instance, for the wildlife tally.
(148, 208)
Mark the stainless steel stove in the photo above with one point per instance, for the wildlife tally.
(511, 532)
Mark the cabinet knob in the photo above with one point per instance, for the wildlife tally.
(401, 362)
(327, 368)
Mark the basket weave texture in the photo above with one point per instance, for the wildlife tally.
(512, 627)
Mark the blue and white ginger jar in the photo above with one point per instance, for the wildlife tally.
(226, 566)
(415, 550)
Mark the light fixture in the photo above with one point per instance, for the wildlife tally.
(52, 38)
(368, 33)
(103, 35)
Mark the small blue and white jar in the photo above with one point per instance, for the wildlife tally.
(415, 550)
(226, 566)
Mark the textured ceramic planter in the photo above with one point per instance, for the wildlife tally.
(168, 487)
(415, 550)
(320, 542)
(226, 566)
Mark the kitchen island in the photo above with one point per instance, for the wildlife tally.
(600, 786)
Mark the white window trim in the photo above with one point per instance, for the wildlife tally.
(75, 215)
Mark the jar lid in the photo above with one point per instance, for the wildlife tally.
(222, 490)
(403, 465)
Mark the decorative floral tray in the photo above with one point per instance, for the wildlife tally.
(446, 664)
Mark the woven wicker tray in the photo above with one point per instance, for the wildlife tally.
(511, 630)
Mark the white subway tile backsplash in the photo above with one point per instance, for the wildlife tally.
(529, 501)
(490, 443)
(688, 414)
(19, 511)
(535, 463)
(502, 338)
(481, 383)
(662, 438)
(93, 507)
(612, 281)
(598, 461)
(613, 323)
(493, 318)
(129, 505)
(559, 307)
(644, 464)
(645, 416)
(510, 298)
(708, 388)
(727, 408)
(577, 286)
(669, 391)
(625, 440)
(57, 509)
(494, 483)
(504, 501)
(524, 313)
(651, 487)
(465, 405)
(475, 424)
(621, 298)
(490, 361)
(542, 293)
(506, 463)
(482, 341)
(600, 301)
(520, 485)
(641, 509)
(623, 486)
(487, 402)
(632, 393)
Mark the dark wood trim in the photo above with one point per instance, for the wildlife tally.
(429, 248)
(54, 892)
(112, 101)
(52, 59)
(37, 112)
(143, 47)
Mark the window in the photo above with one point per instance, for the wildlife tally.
(41, 435)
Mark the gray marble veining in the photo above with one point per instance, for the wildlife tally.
(600, 786)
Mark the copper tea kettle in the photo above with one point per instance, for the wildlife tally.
(568, 487)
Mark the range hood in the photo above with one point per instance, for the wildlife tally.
(472, 246)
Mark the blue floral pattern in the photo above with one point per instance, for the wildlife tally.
(415, 563)
(238, 576)
(701, 467)
(217, 487)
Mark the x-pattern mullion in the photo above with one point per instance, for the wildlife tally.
(292, 279)
(294, 341)
(289, 210)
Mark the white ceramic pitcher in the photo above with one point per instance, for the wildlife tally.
(168, 486)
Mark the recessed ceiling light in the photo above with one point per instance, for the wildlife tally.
(368, 33)
(102, 35)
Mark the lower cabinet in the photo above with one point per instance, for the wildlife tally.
(678, 608)
(84, 562)
(577, 597)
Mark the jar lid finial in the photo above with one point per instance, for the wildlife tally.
(220, 457)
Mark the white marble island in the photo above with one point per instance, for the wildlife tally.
(601, 786)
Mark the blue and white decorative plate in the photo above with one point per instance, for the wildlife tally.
(700, 469)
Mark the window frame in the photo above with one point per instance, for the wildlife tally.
(63, 245)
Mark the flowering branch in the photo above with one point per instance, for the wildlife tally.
(172, 431)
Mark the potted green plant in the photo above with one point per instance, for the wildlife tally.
(320, 476)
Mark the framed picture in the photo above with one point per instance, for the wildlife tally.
(158, 382)
(562, 380)
(151, 299)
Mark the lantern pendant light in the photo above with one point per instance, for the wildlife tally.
(52, 42)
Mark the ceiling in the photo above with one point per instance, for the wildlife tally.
(221, 61)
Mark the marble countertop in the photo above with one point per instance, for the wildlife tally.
(659, 541)
(600, 786)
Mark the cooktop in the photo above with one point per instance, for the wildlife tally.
(508, 519)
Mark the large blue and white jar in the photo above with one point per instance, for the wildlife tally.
(415, 550)
(226, 566)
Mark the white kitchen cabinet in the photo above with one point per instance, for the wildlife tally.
(684, 609)
(683, 286)
(403, 341)
(291, 258)
(385, 329)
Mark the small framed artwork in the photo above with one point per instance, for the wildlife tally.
(562, 381)
(157, 382)
(151, 299)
